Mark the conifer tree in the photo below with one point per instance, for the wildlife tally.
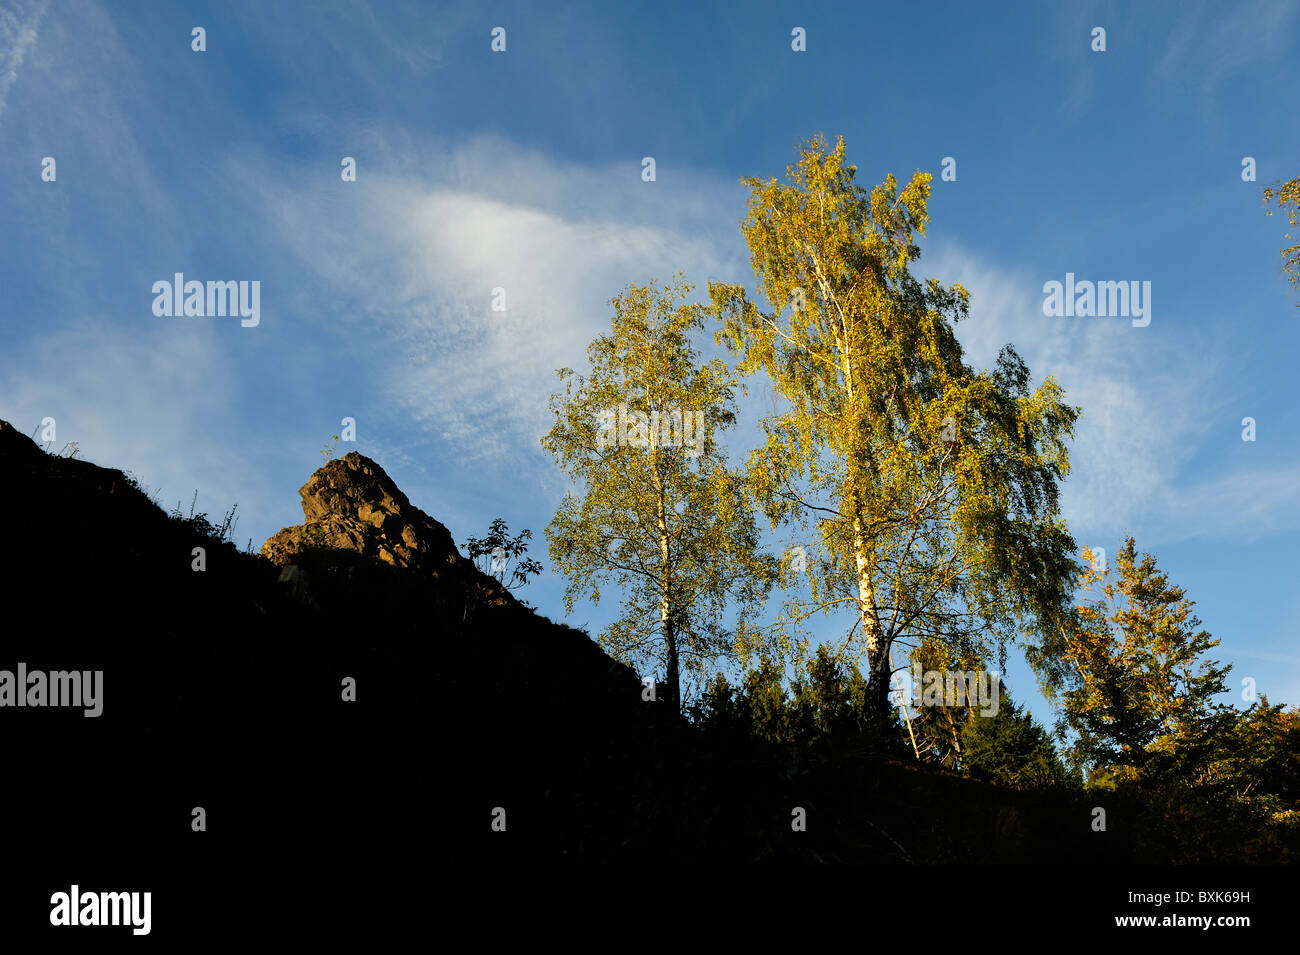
(1140, 687)
(1010, 749)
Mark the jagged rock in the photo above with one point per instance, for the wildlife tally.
(351, 504)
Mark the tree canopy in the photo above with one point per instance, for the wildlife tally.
(659, 513)
(931, 487)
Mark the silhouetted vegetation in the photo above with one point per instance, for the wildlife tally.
(929, 493)
(499, 555)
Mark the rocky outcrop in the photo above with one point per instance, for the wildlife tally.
(351, 504)
(360, 528)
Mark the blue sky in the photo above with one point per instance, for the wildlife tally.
(522, 170)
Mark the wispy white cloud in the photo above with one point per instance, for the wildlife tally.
(1210, 42)
(1288, 658)
(1144, 418)
(422, 256)
(132, 402)
(1242, 505)
(18, 27)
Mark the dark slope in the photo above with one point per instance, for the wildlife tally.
(223, 690)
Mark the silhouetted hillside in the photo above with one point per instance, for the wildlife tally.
(223, 689)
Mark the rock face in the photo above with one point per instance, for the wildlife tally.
(351, 504)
